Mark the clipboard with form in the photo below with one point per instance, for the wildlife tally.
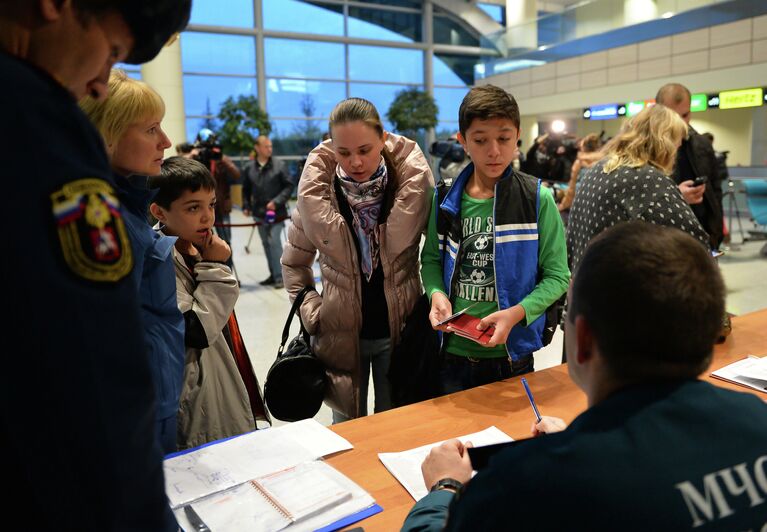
(270, 479)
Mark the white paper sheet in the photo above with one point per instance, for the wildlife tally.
(751, 372)
(227, 464)
(406, 465)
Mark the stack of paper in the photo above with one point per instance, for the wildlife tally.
(265, 480)
(751, 372)
(406, 465)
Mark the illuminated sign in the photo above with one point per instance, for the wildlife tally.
(698, 102)
(602, 112)
(741, 98)
(713, 100)
(633, 108)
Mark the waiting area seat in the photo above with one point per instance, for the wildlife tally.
(756, 198)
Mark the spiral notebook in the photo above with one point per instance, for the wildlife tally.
(308, 496)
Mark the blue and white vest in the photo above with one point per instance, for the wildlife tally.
(515, 246)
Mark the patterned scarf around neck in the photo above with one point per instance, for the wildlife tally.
(365, 200)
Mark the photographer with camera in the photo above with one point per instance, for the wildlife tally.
(207, 150)
(551, 157)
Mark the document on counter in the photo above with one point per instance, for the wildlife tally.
(305, 497)
(750, 372)
(212, 468)
(406, 465)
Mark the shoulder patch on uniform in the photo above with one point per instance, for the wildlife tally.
(91, 230)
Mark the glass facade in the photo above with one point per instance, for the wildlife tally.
(314, 54)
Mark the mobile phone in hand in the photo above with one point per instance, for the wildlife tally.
(698, 181)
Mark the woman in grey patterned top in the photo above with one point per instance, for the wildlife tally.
(631, 183)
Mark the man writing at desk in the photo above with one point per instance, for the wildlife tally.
(657, 449)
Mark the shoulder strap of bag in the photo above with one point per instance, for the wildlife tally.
(293, 310)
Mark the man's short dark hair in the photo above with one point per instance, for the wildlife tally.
(177, 175)
(486, 102)
(654, 299)
(672, 93)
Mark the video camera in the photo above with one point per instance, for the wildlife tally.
(207, 148)
(448, 150)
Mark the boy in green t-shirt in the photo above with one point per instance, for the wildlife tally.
(496, 242)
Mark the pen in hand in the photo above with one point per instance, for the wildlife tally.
(532, 401)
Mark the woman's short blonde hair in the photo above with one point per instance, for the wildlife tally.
(650, 137)
(129, 102)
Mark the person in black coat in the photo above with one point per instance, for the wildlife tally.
(266, 189)
(696, 158)
(77, 434)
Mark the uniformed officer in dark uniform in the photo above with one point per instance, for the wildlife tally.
(77, 436)
(657, 449)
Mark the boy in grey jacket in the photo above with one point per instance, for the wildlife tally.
(220, 396)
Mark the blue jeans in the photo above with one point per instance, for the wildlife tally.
(460, 373)
(375, 353)
(271, 238)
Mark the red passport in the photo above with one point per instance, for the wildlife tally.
(466, 326)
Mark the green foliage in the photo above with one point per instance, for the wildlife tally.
(411, 111)
(242, 120)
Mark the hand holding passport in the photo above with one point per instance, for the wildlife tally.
(464, 325)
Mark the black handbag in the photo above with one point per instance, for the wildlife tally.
(295, 385)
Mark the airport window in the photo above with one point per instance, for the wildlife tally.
(413, 4)
(236, 13)
(218, 54)
(448, 102)
(376, 63)
(497, 12)
(448, 31)
(194, 125)
(303, 17)
(304, 59)
(384, 25)
(302, 97)
(306, 77)
(203, 95)
(454, 69)
(381, 95)
(296, 137)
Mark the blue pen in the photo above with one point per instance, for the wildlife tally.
(532, 401)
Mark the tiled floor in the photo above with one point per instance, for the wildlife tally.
(262, 311)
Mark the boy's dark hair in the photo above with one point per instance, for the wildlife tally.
(654, 299)
(177, 175)
(485, 102)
